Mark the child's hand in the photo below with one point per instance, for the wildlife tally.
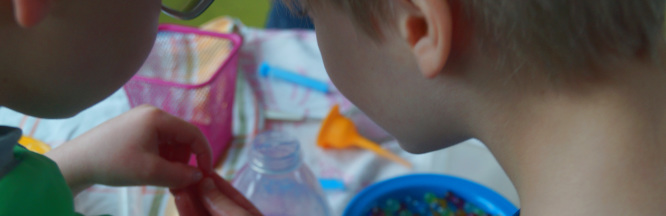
(225, 200)
(126, 151)
(213, 196)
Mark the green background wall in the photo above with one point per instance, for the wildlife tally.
(250, 12)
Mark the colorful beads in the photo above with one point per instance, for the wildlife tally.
(430, 204)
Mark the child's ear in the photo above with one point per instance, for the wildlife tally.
(29, 13)
(426, 26)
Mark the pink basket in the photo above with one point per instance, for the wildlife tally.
(191, 74)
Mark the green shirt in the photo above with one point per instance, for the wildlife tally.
(30, 183)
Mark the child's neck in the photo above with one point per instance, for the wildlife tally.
(602, 152)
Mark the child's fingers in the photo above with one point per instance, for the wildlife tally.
(234, 195)
(179, 132)
(175, 153)
(187, 203)
(171, 174)
(217, 203)
(184, 203)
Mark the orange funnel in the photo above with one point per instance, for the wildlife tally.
(337, 131)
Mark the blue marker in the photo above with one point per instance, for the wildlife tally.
(331, 184)
(266, 70)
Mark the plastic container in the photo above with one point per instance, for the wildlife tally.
(276, 180)
(419, 184)
(191, 74)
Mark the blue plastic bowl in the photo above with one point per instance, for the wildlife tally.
(419, 184)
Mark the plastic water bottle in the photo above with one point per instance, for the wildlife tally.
(276, 180)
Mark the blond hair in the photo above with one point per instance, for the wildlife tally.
(556, 34)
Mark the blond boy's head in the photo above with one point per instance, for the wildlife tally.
(561, 34)
(423, 68)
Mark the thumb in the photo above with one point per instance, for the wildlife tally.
(217, 203)
(172, 174)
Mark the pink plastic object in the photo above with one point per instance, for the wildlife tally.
(191, 74)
